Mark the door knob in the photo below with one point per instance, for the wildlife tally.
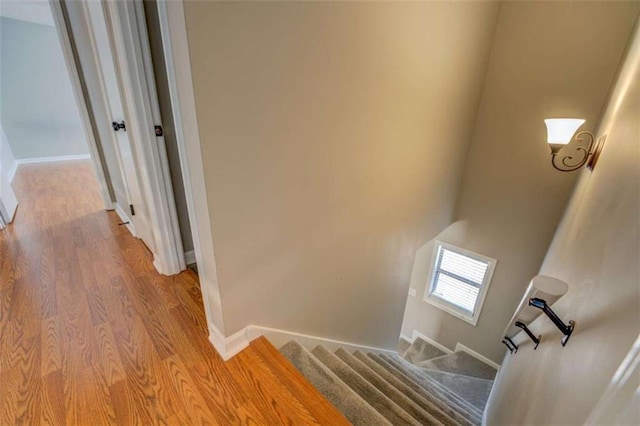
(117, 126)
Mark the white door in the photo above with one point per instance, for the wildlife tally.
(8, 200)
(134, 207)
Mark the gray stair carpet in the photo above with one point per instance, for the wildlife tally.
(412, 377)
(388, 389)
(460, 363)
(421, 350)
(473, 390)
(403, 345)
(354, 408)
(428, 401)
(415, 374)
(378, 400)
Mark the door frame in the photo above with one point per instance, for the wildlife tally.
(178, 66)
(131, 47)
(152, 166)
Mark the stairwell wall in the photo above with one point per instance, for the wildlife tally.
(333, 137)
(596, 251)
(548, 59)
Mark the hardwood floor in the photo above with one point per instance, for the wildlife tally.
(90, 334)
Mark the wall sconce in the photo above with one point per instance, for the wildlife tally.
(581, 151)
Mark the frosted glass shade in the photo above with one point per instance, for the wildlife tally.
(561, 130)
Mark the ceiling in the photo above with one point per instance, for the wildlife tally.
(36, 11)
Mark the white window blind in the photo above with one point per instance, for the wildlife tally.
(460, 278)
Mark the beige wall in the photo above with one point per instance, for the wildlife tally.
(548, 59)
(334, 137)
(596, 251)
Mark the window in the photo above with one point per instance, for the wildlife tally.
(459, 281)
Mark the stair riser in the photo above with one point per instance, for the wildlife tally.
(435, 394)
(418, 395)
(404, 401)
(384, 389)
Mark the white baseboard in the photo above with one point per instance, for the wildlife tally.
(279, 337)
(228, 347)
(463, 348)
(190, 257)
(12, 171)
(217, 339)
(459, 347)
(407, 338)
(53, 159)
(440, 346)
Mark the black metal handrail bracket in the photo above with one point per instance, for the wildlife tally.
(532, 336)
(509, 343)
(566, 329)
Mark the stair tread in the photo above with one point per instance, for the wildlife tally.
(474, 390)
(431, 385)
(461, 363)
(378, 400)
(403, 345)
(429, 401)
(421, 350)
(386, 388)
(401, 398)
(317, 405)
(355, 408)
(418, 374)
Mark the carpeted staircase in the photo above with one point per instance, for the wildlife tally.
(422, 385)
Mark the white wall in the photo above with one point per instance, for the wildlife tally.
(333, 137)
(596, 251)
(548, 59)
(37, 106)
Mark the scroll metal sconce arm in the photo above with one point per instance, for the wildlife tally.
(577, 158)
(582, 153)
(569, 152)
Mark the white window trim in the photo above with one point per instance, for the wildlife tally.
(484, 289)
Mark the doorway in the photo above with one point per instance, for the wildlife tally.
(40, 121)
(107, 49)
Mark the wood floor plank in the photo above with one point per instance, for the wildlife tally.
(24, 382)
(50, 342)
(95, 399)
(52, 407)
(91, 334)
(127, 407)
(196, 409)
(110, 361)
(319, 407)
(277, 403)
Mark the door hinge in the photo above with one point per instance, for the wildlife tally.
(117, 126)
(133, 212)
(159, 131)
